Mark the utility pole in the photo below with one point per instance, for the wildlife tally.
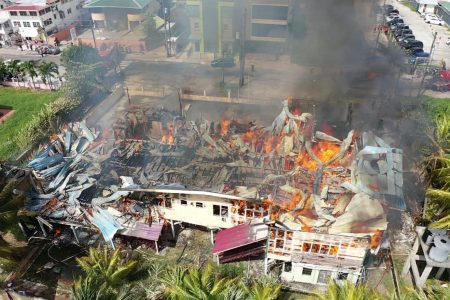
(93, 34)
(428, 64)
(242, 48)
(164, 11)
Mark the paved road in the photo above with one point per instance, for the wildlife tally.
(13, 53)
(424, 32)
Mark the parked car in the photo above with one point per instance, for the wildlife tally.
(399, 26)
(48, 49)
(418, 52)
(225, 62)
(389, 18)
(426, 15)
(402, 32)
(408, 44)
(418, 60)
(395, 21)
(434, 20)
(408, 36)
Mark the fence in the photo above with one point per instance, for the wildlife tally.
(145, 91)
(29, 85)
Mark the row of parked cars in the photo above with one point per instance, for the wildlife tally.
(404, 36)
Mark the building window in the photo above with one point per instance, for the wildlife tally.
(33, 13)
(23, 13)
(307, 271)
(220, 211)
(13, 13)
(183, 202)
(42, 12)
(69, 11)
(54, 16)
(168, 203)
(199, 204)
(36, 24)
(26, 24)
(17, 24)
(324, 276)
(48, 22)
(47, 10)
(196, 26)
(1, 6)
(269, 30)
(6, 25)
(342, 276)
(288, 266)
(270, 12)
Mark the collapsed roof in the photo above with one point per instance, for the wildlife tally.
(314, 181)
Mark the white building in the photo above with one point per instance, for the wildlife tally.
(427, 6)
(5, 27)
(29, 16)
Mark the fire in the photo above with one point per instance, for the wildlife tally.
(224, 126)
(375, 239)
(168, 136)
(293, 203)
(324, 151)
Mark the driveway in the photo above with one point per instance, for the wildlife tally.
(424, 32)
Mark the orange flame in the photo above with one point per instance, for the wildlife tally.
(168, 136)
(324, 151)
(224, 126)
(291, 205)
(375, 239)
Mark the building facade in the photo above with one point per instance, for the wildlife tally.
(38, 19)
(216, 26)
(5, 28)
(118, 15)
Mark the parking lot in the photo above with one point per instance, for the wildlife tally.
(424, 32)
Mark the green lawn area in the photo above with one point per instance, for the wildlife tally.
(26, 104)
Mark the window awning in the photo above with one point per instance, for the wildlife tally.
(239, 236)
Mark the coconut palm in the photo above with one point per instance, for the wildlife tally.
(437, 169)
(262, 288)
(107, 266)
(15, 69)
(197, 284)
(29, 68)
(47, 70)
(3, 70)
(346, 291)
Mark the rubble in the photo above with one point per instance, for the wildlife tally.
(158, 168)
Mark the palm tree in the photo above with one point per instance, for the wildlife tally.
(107, 266)
(198, 284)
(262, 288)
(90, 288)
(437, 169)
(29, 68)
(3, 70)
(14, 69)
(346, 291)
(47, 70)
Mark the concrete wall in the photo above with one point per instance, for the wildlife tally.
(314, 274)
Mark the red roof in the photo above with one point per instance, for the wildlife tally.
(144, 231)
(236, 237)
(24, 7)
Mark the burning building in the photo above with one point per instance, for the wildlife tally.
(302, 198)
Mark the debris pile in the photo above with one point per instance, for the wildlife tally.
(308, 179)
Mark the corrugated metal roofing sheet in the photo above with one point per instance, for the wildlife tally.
(144, 231)
(238, 236)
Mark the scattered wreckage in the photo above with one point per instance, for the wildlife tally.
(304, 199)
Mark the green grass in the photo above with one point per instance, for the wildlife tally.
(410, 6)
(26, 104)
(435, 106)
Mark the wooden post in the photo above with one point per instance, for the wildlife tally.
(156, 247)
(173, 228)
(75, 234)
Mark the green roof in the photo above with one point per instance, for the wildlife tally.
(136, 4)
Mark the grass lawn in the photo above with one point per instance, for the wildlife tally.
(26, 104)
